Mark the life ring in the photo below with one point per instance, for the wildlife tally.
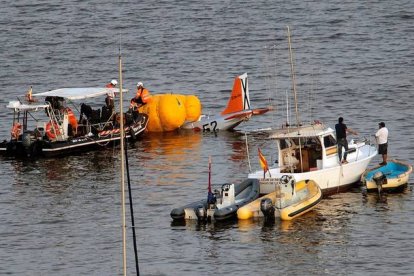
(52, 130)
(15, 131)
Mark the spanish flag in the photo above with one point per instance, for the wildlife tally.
(29, 95)
(263, 163)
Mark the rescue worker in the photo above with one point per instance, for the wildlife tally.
(109, 100)
(141, 98)
(112, 84)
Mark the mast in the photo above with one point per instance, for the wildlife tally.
(294, 94)
(292, 71)
(287, 109)
(122, 134)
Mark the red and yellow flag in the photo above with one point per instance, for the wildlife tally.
(263, 162)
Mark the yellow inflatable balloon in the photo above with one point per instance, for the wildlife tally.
(167, 112)
(192, 108)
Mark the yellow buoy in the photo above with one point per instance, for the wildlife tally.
(192, 108)
(168, 112)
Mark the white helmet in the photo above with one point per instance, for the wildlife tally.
(114, 82)
(140, 84)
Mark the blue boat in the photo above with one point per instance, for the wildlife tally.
(393, 177)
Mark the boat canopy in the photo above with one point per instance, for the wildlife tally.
(79, 93)
(18, 106)
(301, 132)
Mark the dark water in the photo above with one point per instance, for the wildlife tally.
(353, 59)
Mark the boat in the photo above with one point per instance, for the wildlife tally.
(291, 199)
(238, 110)
(221, 204)
(392, 177)
(310, 151)
(44, 125)
(225, 204)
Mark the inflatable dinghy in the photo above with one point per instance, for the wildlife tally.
(220, 205)
(290, 200)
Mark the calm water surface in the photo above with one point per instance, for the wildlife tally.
(353, 59)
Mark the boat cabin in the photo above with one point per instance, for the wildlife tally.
(306, 148)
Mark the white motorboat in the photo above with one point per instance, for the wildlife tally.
(310, 152)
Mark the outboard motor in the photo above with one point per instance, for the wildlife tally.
(379, 179)
(201, 212)
(267, 208)
(27, 139)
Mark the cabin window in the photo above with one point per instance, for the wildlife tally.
(329, 141)
(285, 143)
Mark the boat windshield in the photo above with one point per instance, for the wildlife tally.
(307, 142)
(329, 141)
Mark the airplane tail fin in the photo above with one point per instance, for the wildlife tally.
(239, 99)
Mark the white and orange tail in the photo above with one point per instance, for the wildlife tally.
(239, 99)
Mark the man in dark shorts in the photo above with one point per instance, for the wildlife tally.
(341, 130)
(382, 140)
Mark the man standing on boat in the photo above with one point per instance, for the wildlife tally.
(109, 100)
(141, 98)
(112, 84)
(341, 130)
(382, 140)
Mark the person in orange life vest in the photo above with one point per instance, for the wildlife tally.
(141, 98)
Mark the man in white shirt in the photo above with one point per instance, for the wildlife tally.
(382, 140)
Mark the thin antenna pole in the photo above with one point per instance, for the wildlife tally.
(292, 71)
(122, 133)
(287, 109)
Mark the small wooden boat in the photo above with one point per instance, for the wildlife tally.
(290, 200)
(220, 205)
(392, 177)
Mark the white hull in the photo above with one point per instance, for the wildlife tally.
(217, 122)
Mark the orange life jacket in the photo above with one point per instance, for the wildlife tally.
(144, 94)
(72, 120)
(15, 131)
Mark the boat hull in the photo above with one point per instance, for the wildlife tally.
(397, 174)
(288, 206)
(245, 192)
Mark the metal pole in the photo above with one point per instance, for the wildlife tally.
(292, 71)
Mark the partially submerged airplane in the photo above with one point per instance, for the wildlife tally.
(237, 111)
